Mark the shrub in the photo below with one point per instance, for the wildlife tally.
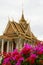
(29, 55)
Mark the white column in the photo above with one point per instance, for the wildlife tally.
(2, 47)
(17, 45)
(17, 42)
(12, 46)
(7, 46)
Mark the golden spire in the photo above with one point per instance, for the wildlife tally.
(22, 17)
(22, 20)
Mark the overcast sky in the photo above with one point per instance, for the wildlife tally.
(33, 12)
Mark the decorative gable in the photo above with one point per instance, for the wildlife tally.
(9, 29)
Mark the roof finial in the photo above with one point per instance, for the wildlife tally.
(22, 14)
(22, 10)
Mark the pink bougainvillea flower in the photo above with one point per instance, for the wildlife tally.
(20, 61)
(40, 52)
(18, 57)
(31, 58)
(5, 61)
(26, 49)
(15, 52)
(29, 53)
(8, 63)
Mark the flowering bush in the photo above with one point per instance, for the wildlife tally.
(29, 55)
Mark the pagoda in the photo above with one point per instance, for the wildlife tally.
(16, 35)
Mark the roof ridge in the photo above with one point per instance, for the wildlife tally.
(12, 26)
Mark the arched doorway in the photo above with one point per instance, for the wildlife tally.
(5, 46)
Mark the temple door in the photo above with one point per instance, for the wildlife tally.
(5, 46)
(14, 45)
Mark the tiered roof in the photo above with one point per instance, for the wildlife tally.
(14, 30)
